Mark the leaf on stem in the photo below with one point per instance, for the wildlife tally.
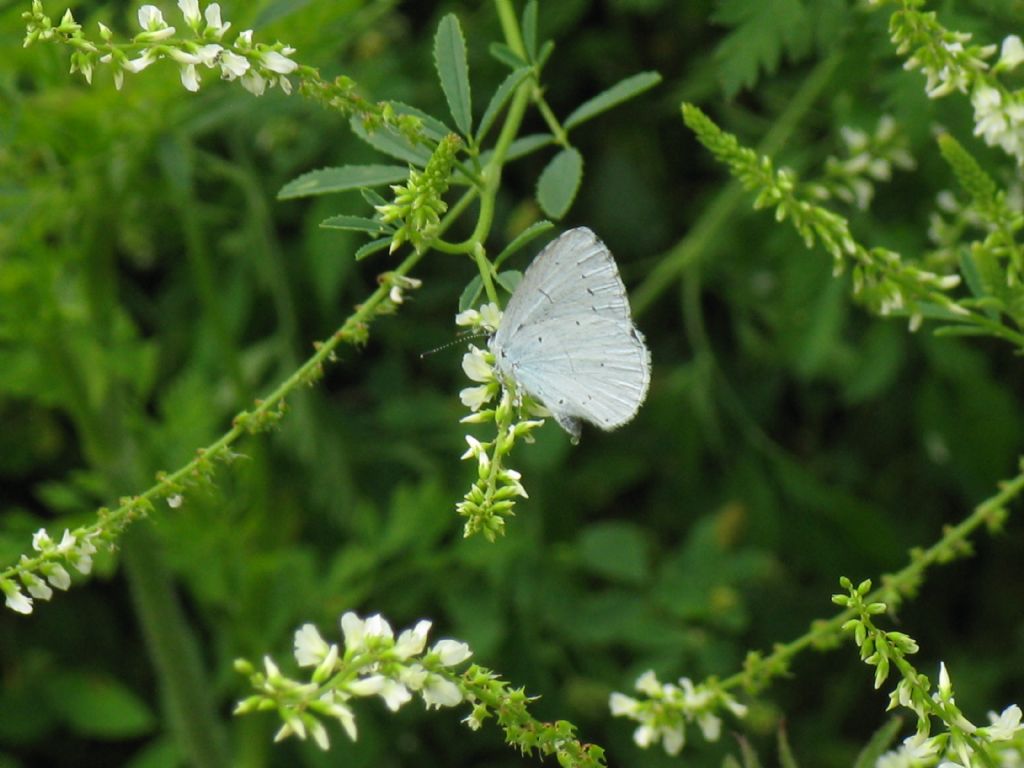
(534, 230)
(499, 99)
(453, 72)
(559, 182)
(342, 178)
(624, 90)
(354, 224)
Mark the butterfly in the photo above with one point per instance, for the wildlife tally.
(567, 337)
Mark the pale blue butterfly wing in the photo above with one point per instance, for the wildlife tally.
(567, 337)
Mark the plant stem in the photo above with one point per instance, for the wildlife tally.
(719, 214)
(893, 588)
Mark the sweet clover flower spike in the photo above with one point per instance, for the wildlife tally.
(664, 714)
(373, 663)
(255, 65)
(493, 495)
(418, 204)
(961, 742)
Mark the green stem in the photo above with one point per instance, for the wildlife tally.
(719, 214)
(184, 686)
(136, 506)
(893, 587)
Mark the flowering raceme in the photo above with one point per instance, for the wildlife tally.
(257, 66)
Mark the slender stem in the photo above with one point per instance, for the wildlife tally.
(893, 587)
(719, 214)
(561, 137)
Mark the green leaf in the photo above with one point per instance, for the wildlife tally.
(470, 293)
(372, 197)
(879, 744)
(510, 279)
(761, 31)
(452, 70)
(345, 177)
(500, 98)
(786, 758)
(432, 127)
(622, 91)
(529, 25)
(506, 56)
(391, 143)
(372, 247)
(521, 147)
(559, 182)
(534, 230)
(354, 224)
(617, 551)
(99, 707)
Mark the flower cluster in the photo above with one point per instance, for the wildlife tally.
(255, 65)
(663, 715)
(962, 744)
(493, 495)
(951, 63)
(418, 203)
(374, 663)
(869, 158)
(881, 279)
(74, 551)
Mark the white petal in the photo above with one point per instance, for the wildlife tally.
(452, 652)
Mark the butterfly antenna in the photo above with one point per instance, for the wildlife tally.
(450, 344)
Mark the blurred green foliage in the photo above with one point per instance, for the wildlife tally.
(150, 286)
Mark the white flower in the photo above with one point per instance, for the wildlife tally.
(945, 684)
(413, 676)
(209, 54)
(476, 398)
(438, 692)
(175, 501)
(476, 366)
(648, 683)
(67, 542)
(357, 631)
(232, 65)
(644, 736)
(710, 726)
(278, 63)
(1012, 52)
(37, 587)
(319, 734)
(1005, 725)
(337, 709)
(468, 317)
(216, 30)
(14, 599)
(310, 647)
(412, 641)
(190, 11)
(189, 78)
(452, 652)
(394, 693)
(475, 448)
(153, 25)
(622, 705)
(139, 63)
(673, 738)
(56, 575)
(41, 540)
(254, 83)
(490, 317)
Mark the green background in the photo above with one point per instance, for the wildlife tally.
(151, 286)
